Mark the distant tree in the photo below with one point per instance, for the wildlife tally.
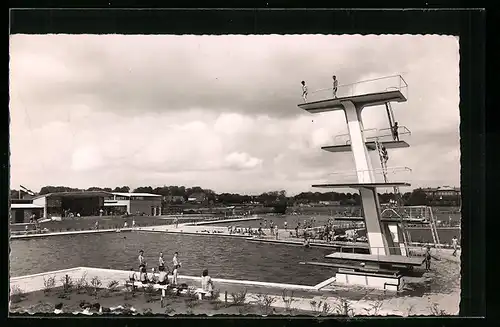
(417, 197)
(107, 189)
(144, 189)
(164, 191)
(94, 188)
(57, 189)
(123, 189)
(15, 194)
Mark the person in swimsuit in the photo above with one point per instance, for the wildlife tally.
(152, 277)
(428, 259)
(454, 243)
(143, 275)
(177, 265)
(335, 86)
(142, 261)
(162, 277)
(132, 276)
(207, 285)
(304, 91)
(395, 134)
(161, 262)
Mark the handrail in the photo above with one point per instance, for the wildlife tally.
(365, 81)
(405, 131)
(364, 131)
(354, 172)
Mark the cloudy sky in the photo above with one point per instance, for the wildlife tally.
(219, 111)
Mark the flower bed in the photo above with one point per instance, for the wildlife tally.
(86, 296)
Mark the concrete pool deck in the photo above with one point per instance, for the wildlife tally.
(91, 231)
(186, 227)
(361, 301)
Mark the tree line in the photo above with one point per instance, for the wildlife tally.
(416, 197)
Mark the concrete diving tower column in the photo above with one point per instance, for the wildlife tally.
(370, 203)
(379, 236)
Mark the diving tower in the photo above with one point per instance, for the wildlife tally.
(385, 237)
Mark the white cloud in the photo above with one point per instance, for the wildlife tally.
(242, 160)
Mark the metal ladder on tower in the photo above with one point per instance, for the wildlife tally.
(397, 194)
(433, 227)
(390, 114)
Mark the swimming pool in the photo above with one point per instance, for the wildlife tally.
(223, 257)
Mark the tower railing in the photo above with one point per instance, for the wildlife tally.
(375, 85)
(396, 174)
(381, 135)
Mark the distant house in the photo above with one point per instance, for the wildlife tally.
(134, 203)
(198, 197)
(330, 203)
(442, 192)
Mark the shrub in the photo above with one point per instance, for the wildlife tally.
(374, 308)
(81, 283)
(191, 303)
(93, 288)
(151, 294)
(215, 300)
(48, 284)
(169, 310)
(344, 308)
(239, 297)
(113, 285)
(288, 300)
(16, 294)
(244, 309)
(409, 311)
(67, 284)
(436, 311)
(265, 302)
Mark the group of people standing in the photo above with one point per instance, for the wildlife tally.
(163, 270)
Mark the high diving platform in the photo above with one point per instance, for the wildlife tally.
(387, 244)
(363, 100)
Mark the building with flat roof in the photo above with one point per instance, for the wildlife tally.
(133, 203)
(24, 212)
(85, 203)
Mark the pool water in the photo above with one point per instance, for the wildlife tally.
(223, 257)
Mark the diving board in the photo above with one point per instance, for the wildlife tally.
(360, 101)
(362, 185)
(383, 259)
(370, 146)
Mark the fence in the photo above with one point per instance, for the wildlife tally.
(375, 85)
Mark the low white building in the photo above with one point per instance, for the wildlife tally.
(134, 203)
